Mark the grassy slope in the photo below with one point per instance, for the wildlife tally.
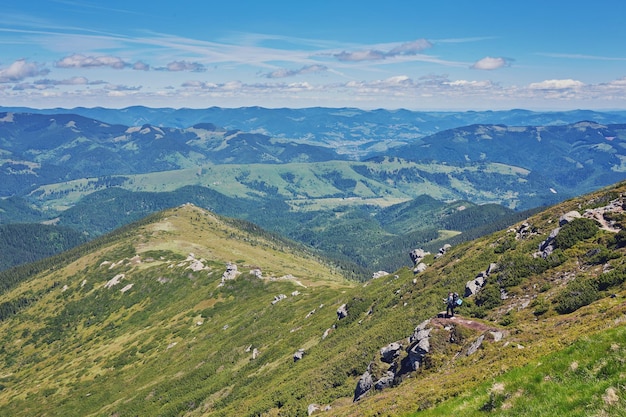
(88, 350)
(306, 186)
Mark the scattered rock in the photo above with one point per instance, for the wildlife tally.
(497, 336)
(278, 298)
(524, 231)
(417, 255)
(342, 311)
(326, 333)
(127, 287)
(312, 408)
(114, 281)
(390, 352)
(298, 355)
(420, 267)
(443, 250)
(363, 386)
(568, 217)
(472, 287)
(231, 272)
(475, 346)
(379, 274)
(386, 381)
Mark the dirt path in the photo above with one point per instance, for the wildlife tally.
(461, 321)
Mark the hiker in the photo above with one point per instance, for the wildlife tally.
(451, 303)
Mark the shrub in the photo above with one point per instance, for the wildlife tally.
(600, 255)
(574, 232)
(610, 279)
(577, 294)
(620, 239)
(505, 244)
(540, 306)
(507, 319)
(488, 297)
(515, 267)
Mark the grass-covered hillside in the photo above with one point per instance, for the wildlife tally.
(147, 321)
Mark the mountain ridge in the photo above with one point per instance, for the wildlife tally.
(148, 322)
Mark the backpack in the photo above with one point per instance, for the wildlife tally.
(457, 299)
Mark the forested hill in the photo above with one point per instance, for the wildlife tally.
(24, 243)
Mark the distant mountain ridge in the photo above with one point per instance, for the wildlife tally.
(336, 181)
(353, 132)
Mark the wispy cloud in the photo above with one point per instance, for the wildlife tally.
(20, 70)
(69, 81)
(308, 69)
(183, 66)
(407, 48)
(583, 57)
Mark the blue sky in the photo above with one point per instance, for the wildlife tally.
(443, 55)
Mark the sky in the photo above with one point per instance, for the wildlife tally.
(413, 54)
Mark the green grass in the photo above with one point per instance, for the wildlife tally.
(321, 184)
(584, 379)
(178, 343)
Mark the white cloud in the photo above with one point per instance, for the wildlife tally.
(490, 63)
(183, 66)
(141, 66)
(21, 69)
(466, 83)
(556, 85)
(82, 61)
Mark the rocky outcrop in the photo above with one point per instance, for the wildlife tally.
(443, 250)
(472, 287)
(385, 381)
(568, 217)
(400, 361)
(379, 274)
(298, 355)
(475, 346)
(607, 223)
(419, 347)
(364, 385)
(229, 274)
(390, 352)
(524, 231)
(278, 298)
(417, 255)
(314, 408)
(547, 246)
(342, 312)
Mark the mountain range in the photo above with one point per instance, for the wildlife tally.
(94, 175)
